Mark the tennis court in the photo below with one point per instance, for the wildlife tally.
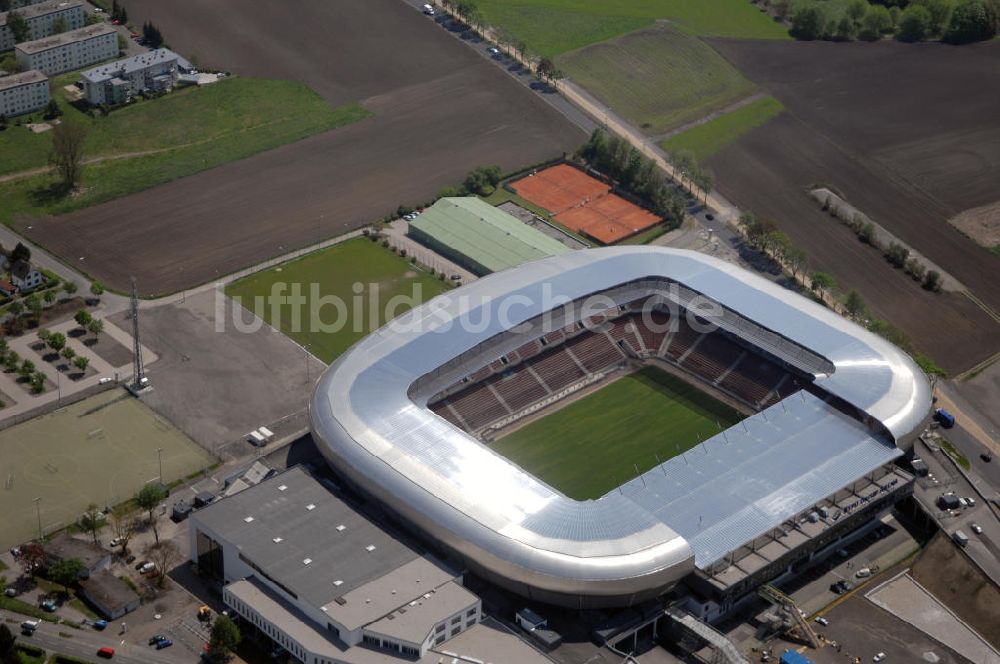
(584, 204)
(100, 450)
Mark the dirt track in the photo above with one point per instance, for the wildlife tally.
(880, 123)
(440, 110)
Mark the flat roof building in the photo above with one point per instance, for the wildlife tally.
(43, 20)
(480, 237)
(22, 93)
(117, 82)
(70, 50)
(321, 580)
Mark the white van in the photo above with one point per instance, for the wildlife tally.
(428, 10)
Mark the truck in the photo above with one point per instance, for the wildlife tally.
(960, 538)
(946, 419)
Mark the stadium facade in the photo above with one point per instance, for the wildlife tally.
(834, 406)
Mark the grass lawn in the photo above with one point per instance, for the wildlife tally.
(592, 445)
(334, 272)
(195, 129)
(706, 139)
(658, 79)
(551, 27)
(101, 450)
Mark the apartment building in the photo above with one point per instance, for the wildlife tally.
(119, 81)
(44, 20)
(23, 93)
(70, 50)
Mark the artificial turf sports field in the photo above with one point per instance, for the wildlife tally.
(101, 450)
(349, 273)
(595, 443)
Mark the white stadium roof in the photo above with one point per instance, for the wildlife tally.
(372, 423)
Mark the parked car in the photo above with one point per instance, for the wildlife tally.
(879, 657)
(456, 277)
(153, 640)
(976, 528)
(147, 568)
(10, 592)
(164, 643)
(115, 542)
(139, 565)
(494, 51)
(822, 621)
(130, 559)
(100, 625)
(49, 605)
(863, 573)
(116, 22)
(15, 551)
(28, 627)
(986, 456)
(106, 652)
(428, 10)
(98, 10)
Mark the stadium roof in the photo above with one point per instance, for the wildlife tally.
(486, 235)
(375, 428)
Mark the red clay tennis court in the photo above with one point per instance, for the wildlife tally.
(584, 204)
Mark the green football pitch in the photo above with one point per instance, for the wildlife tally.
(596, 443)
(349, 290)
(101, 450)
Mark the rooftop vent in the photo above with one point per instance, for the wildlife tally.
(282, 487)
(370, 548)
(306, 561)
(310, 506)
(341, 601)
(338, 582)
(341, 528)
(276, 540)
(248, 519)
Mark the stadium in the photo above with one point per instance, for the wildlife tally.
(784, 442)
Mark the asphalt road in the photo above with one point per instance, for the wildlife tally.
(84, 643)
(967, 444)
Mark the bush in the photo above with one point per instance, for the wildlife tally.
(916, 269)
(867, 234)
(972, 20)
(897, 254)
(932, 281)
(808, 23)
(913, 24)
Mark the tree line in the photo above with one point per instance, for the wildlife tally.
(952, 21)
(634, 173)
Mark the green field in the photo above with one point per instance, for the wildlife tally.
(100, 450)
(594, 444)
(551, 27)
(189, 130)
(706, 139)
(657, 79)
(335, 271)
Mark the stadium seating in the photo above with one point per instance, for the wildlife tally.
(652, 338)
(518, 388)
(477, 405)
(712, 356)
(594, 351)
(752, 379)
(557, 369)
(682, 341)
(624, 328)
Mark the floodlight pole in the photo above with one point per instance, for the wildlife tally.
(38, 512)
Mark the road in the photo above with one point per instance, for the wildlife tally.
(84, 643)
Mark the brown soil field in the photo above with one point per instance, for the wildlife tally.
(982, 224)
(950, 576)
(440, 109)
(909, 136)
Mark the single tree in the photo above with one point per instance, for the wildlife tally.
(49, 296)
(224, 639)
(52, 110)
(37, 382)
(163, 555)
(69, 287)
(67, 152)
(91, 520)
(822, 281)
(8, 654)
(123, 524)
(876, 22)
(940, 11)
(81, 362)
(65, 572)
(57, 341)
(97, 289)
(82, 317)
(32, 559)
(973, 20)
(18, 26)
(856, 11)
(95, 327)
(932, 281)
(545, 69)
(34, 304)
(809, 22)
(148, 498)
(12, 360)
(27, 368)
(20, 253)
(854, 304)
(44, 334)
(68, 353)
(913, 24)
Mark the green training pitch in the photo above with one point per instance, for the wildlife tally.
(704, 140)
(658, 78)
(101, 450)
(353, 273)
(594, 444)
(551, 27)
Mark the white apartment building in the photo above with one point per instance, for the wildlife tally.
(42, 20)
(315, 576)
(23, 93)
(70, 50)
(17, 4)
(117, 82)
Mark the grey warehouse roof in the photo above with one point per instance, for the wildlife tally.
(331, 534)
(123, 67)
(372, 428)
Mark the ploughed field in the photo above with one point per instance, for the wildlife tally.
(438, 110)
(908, 134)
